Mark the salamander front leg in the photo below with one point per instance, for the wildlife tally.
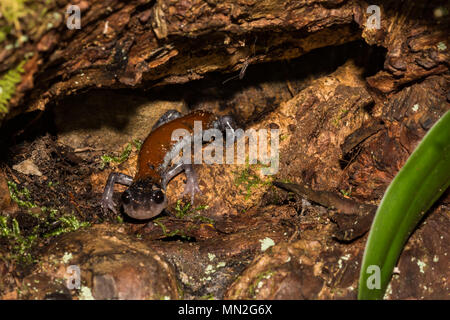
(107, 198)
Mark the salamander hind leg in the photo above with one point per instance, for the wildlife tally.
(191, 187)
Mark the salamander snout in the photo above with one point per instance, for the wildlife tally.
(143, 200)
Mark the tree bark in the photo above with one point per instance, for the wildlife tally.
(148, 43)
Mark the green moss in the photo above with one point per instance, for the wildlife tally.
(204, 219)
(106, 159)
(69, 223)
(247, 180)
(52, 184)
(20, 245)
(13, 10)
(138, 144)
(180, 210)
(176, 232)
(346, 193)
(51, 212)
(21, 197)
(8, 83)
(183, 210)
(4, 31)
(442, 46)
(6, 231)
(256, 284)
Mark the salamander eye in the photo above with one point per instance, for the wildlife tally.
(126, 197)
(158, 196)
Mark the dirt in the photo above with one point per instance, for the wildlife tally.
(244, 238)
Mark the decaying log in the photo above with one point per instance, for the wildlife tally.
(148, 43)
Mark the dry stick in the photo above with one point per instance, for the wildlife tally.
(294, 235)
(11, 173)
(288, 83)
(290, 89)
(77, 207)
(85, 149)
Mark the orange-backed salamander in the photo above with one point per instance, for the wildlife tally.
(145, 196)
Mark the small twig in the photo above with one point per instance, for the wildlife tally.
(11, 173)
(79, 150)
(77, 207)
(290, 89)
(294, 235)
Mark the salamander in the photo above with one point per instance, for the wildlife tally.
(145, 197)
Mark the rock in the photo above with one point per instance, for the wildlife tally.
(305, 269)
(28, 167)
(107, 121)
(111, 265)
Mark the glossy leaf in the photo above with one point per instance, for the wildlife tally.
(421, 181)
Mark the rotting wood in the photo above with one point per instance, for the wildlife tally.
(147, 43)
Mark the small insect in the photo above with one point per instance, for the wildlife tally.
(244, 67)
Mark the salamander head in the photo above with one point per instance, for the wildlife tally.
(144, 199)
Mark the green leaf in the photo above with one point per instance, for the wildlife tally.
(421, 181)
